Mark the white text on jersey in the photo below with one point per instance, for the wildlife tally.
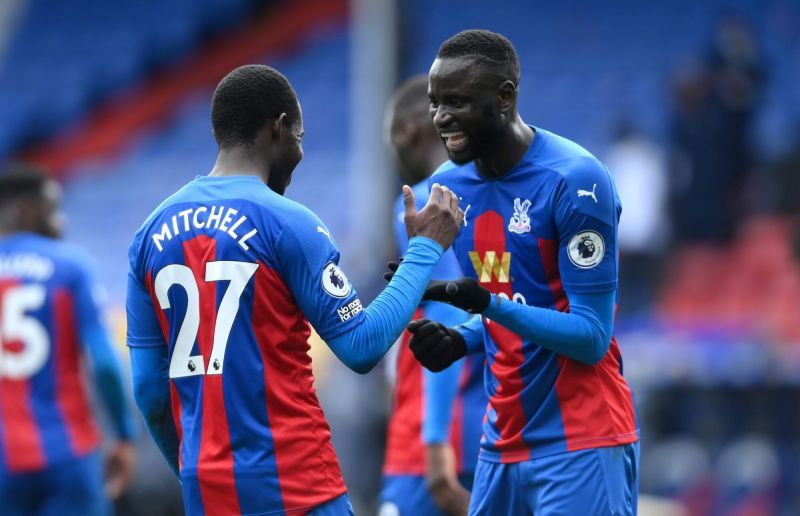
(204, 217)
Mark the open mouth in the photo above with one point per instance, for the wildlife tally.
(455, 141)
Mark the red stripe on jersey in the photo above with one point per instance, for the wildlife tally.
(548, 250)
(308, 471)
(215, 460)
(490, 236)
(596, 402)
(405, 451)
(22, 441)
(70, 392)
(175, 399)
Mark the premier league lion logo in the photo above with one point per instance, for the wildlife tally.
(586, 247)
(336, 280)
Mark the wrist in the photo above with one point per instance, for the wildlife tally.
(426, 242)
(493, 308)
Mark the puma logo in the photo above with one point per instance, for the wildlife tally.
(320, 229)
(587, 193)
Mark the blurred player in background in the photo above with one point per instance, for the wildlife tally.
(229, 262)
(50, 317)
(435, 427)
(539, 245)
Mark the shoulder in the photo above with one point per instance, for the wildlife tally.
(583, 181)
(445, 172)
(69, 258)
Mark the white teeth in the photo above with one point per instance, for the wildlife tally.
(454, 140)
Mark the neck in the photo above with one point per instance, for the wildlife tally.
(507, 150)
(239, 161)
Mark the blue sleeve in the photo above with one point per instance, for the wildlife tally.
(309, 264)
(472, 331)
(586, 213)
(382, 322)
(150, 371)
(584, 333)
(96, 340)
(108, 379)
(441, 388)
(143, 327)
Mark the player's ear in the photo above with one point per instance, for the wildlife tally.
(507, 96)
(279, 126)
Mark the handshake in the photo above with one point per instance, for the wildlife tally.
(434, 345)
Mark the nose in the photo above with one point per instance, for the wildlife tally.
(441, 117)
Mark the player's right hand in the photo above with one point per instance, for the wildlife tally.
(120, 468)
(442, 480)
(440, 219)
(463, 293)
(434, 345)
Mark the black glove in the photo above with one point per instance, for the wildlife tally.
(434, 345)
(392, 266)
(464, 293)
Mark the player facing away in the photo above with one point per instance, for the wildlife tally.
(225, 277)
(539, 249)
(435, 427)
(50, 318)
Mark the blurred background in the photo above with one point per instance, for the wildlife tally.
(694, 106)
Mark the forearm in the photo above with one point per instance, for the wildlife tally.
(584, 333)
(440, 389)
(152, 395)
(108, 380)
(362, 347)
(472, 331)
(162, 429)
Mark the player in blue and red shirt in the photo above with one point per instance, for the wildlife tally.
(539, 247)
(225, 277)
(50, 318)
(435, 427)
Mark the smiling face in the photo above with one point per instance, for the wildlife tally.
(465, 106)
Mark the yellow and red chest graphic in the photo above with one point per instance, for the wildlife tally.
(491, 261)
(492, 265)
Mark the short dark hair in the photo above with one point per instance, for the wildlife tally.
(245, 99)
(411, 97)
(486, 45)
(20, 181)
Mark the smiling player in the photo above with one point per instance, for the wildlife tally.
(225, 277)
(540, 250)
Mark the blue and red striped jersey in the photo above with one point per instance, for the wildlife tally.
(547, 226)
(413, 389)
(48, 299)
(228, 275)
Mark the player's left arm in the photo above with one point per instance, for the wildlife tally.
(586, 229)
(150, 367)
(585, 215)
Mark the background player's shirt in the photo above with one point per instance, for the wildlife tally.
(48, 301)
(548, 225)
(405, 447)
(229, 274)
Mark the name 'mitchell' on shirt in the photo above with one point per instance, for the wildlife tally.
(228, 275)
